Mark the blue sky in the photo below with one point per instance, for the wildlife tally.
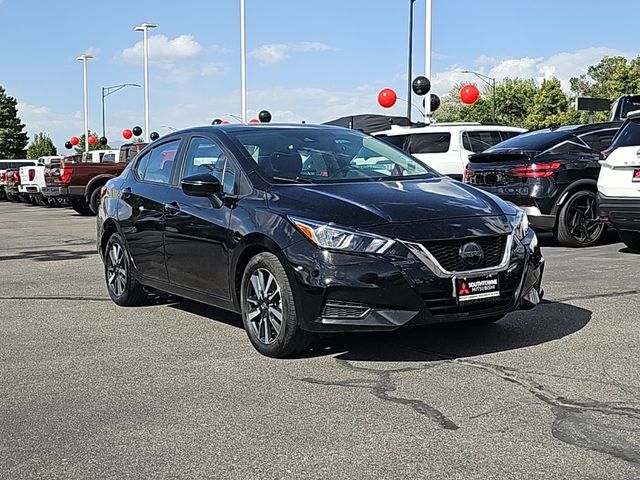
(309, 60)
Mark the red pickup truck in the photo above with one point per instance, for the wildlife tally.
(81, 182)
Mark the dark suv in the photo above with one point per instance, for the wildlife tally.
(552, 175)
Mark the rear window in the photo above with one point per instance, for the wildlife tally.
(109, 158)
(477, 142)
(537, 141)
(629, 134)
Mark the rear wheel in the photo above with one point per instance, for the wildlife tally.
(123, 288)
(631, 240)
(269, 309)
(578, 221)
(81, 207)
(13, 198)
(94, 200)
(40, 200)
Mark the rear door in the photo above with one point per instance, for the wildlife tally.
(144, 194)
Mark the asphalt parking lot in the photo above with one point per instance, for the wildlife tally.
(175, 390)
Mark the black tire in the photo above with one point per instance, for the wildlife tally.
(14, 198)
(94, 200)
(290, 339)
(122, 286)
(81, 207)
(41, 201)
(631, 240)
(578, 222)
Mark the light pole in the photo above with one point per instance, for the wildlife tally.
(243, 62)
(427, 57)
(106, 91)
(84, 58)
(491, 82)
(410, 62)
(144, 28)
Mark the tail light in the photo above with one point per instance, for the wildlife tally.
(536, 170)
(65, 173)
(16, 177)
(3, 177)
(32, 174)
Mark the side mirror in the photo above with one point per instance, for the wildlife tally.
(202, 185)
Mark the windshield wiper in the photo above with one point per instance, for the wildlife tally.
(291, 180)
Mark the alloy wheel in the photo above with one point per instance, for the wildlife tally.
(116, 270)
(264, 306)
(583, 221)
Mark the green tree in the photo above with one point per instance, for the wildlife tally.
(513, 98)
(13, 140)
(41, 146)
(551, 107)
(95, 146)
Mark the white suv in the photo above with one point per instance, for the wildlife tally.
(619, 182)
(446, 147)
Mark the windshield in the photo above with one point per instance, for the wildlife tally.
(324, 155)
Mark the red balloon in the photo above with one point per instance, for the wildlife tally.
(74, 140)
(387, 98)
(254, 120)
(92, 139)
(469, 94)
(127, 133)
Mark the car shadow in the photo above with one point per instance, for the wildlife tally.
(51, 255)
(548, 322)
(629, 251)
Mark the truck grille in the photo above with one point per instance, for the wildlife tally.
(447, 252)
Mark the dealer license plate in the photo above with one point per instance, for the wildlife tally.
(636, 175)
(477, 289)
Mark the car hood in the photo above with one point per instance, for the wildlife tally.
(370, 204)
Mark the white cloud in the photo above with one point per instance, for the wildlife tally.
(60, 126)
(164, 50)
(562, 65)
(272, 54)
(214, 69)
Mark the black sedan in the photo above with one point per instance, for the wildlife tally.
(309, 229)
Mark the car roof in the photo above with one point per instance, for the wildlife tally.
(448, 127)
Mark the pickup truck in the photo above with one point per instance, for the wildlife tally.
(5, 166)
(81, 182)
(32, 180)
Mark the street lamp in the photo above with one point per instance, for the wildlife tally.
(84, 58)
(491, 82)
(106, 91)
(144, 28)
(243, 62)
(410, 62)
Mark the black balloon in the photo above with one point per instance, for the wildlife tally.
(435, 102)
(137, 131)
(68, 145)
(154, 136)
(216, 121)
(421, 85)
(103, 140)
(264, 116)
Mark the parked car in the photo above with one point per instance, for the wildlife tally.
(80, 182)
(624, 105)
(4, 177)
(32, 180)
(446, 147)
(619, 182)
(552, 175)
(226, 215)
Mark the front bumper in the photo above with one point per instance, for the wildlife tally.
(621, 212)
(347, 292)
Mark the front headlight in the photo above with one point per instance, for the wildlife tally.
(521, 225)
(331, 237)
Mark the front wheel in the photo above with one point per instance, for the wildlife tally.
(269, 308)
(123, 288)
(631, 240)
(578, 222)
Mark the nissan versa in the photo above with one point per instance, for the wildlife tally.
(309, 229)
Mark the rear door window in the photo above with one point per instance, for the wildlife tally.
(437, 142)
(477, 142)
(160, 162)
(599, 141)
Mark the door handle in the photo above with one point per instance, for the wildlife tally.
(172, 208)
